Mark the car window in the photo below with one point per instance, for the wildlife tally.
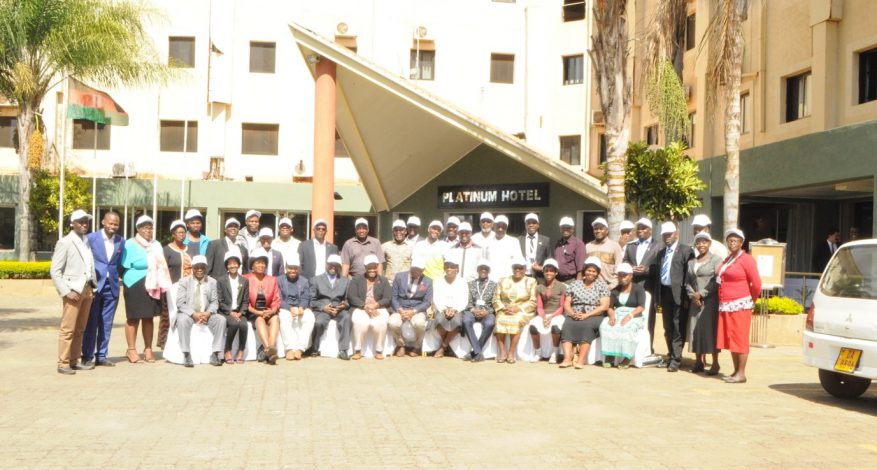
(852, 273)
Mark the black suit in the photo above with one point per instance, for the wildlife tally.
(227, 304)
(821, 255)
(308, 257)
(672, 298)
(543, 248)
(649, 280)
(216, 250)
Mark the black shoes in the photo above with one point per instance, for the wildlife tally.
(312, 353)
(84, 366)
(215, 360)
(478, 358)
(672, 368)
(187, 360)
(343, 356)
(66, 371)
(104, 363)
(260, 354)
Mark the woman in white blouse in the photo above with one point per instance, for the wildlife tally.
(450, 296)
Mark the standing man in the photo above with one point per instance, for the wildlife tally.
(198, 303)
(313, 253)
(502, 251)
(397, 252)
(328, 302)
(285, 242)
(608, 251)
(355, 250)
(73, 274)
(534, 246)
(642, 255)
(106, 246)
(702, 223)
(451, 227)
(569, 252)
(275, 266)
(824, 250)
(468, 252)
(673, 267)
(626, 233)
(413, 231)
(195, 241)
(412, 297)
(431, 251)
(485, 236)
(230, 243)
(250, 236)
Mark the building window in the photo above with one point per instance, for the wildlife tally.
(573, 10)
(7, 228)
(259, 139)
(181, 52)
(689, 139)
(8, 130)
(604, 149)
(422, 65)
(868, 76)
(502, 68)
(798, 96)
(571, 149)
(262, 57)
(690, 32)
(745, 104)
(340, 149)
(173, 133)
(84, 137)
(573, 69)
(651, 133)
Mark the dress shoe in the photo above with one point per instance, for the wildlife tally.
(104, 363)
(290, 355)
(672, 368)
(297, 355)
(662, 365)
(356, 356)
(343, 356)
(379, 355)
(314, 353)
(468, 357)
(478, 358)
(271, 356)
(215, 360)
(84, 366)
(400, 352)
(66, 371)
(187, 360)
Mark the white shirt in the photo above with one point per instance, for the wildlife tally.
(501, 252)
(668, 258)
(642, 246)
(233, 282)
(454, 295)
(481, 240)
(531, 242)
(287, 248)
(469, 258)
(109, 245)
(412, 240)
(234, 248)
(320, 253)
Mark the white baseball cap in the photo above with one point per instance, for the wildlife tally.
(292, 260)
(266, 232)
(701, 220)
(703, 236)
(370, 259)
(192, 213)
(668, 227)
(624, 268)
(413, 221)
(567, 222)
(360, 221)
(600, 221)
(593, 261)
(398, 223)
(452, 257)
(285, 221)
(232, 255)
(79, 214)
(626, 225)
(645, 222)
(177, 223)
(501, 219)
(464, 227)
(531, 216)
(333, 259)
(143, 220)
(251, 213)
(453, 220)
(418, 262)
(734, 231)
(199, 259)
(232, 221)
(258, 253)
(436, 223)
(550, 262)
(486, 216)
(320, 222)
(483, 262)
(518, 261)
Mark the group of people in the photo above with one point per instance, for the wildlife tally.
(444, 282)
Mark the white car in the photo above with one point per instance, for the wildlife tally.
(840, 337)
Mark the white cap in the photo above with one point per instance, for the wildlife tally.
(550, 262)
(398, 223)
(192, 213)
(370, 259)
(483, 262)
(703, 235)
(320, 222)
(285, 221)
(418, 262)
(232, 254)
(644, 222)
(501, 219)
(531, 216)
(453, 257)
(624, 268)
(567, 221)
(600, 221)
(334, 259)
(360, 221)
(266, 232)
(701, 220)
(734, 231)
(518, 261)
(464, 227)
(668, 227)
(292, 260)
(258, 253)
(413, 220)
(231, 221)
(199, 259)
(143, 220)
(79, 214)
(251, 213)
(593, 260)
(486, 216)
(437, 223)
(625, 225)
(453, 220)
(177, 223)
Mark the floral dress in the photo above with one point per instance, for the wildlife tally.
(621, 340)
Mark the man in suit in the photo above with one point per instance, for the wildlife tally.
(641, 254)
(825, 249)
(313, 253)
(198, 302)
(275, 266)
(412, 297)
(672, 263)
(534, 246)
(217, 249)
(106, 246)
(73, 274)
(328, 302)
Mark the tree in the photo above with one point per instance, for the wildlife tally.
(44, 197)
(42, 42)
(662, 66)
(610, 56)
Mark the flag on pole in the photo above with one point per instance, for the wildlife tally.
(94, 105)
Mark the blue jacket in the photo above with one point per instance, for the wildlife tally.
(107, 270)
(421, 300)
(294, 294)
(202, 243)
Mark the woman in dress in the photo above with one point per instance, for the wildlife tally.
(179, 265)
(145, 278)
(704, 308)
(515, 305)
(587, 301)
(739, 286)
(263, 305)
(619, 332)
(369, 296)
(549, 311)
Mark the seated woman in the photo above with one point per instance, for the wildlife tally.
(450, 296)
(264, 304)
(515, 304)
(549, 311)
(233, 298)
(369, 296)
(619, 332)
(586, 303)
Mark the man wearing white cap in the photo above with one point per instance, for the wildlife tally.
(250, 235)
(449, 299)
(285, 242)
(431, 250)
(672, 263)
(626, 232)
(230, 243)
(534, 246)
(313, 252)
(275, 258)
(296, 318)
(413, 226)
(452, 225)
(480, 309)
(412, 297)
(355, 250)
(196, 242)
(485, 236)
(607, 250)
(397, 252)
(569, 252)
(468, 252)
(642, 254)
(702, 223)
(503, 250)
(198, 303)
(370, 296)
(329, 302)
(73, 274)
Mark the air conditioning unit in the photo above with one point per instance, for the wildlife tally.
(597, 118)
(686, 90)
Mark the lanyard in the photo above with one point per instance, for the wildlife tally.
(481, 292)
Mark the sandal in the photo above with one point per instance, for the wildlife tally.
(440, 352)
(148, 355)
(607, 365)
(564, 365)
(624, 366)
(138, 361)
(580, 366)
(239, 360)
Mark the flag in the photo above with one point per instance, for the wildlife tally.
(93, 105)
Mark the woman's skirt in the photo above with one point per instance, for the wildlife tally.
(511, 324)
(138, 303)
(620, 340)
(703, 327)
(733, 331)
(581, 331)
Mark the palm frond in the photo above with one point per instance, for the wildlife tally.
(724, 41)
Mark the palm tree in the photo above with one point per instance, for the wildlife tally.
(42, 42)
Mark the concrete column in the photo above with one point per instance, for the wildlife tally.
(323, 196)
(824, 16)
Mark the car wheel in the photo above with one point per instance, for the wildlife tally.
(843, 385)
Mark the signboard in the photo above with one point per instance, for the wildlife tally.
(493, 195)
(770, 258)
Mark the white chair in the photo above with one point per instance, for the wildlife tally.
(201, 345)
(329, 343)
(460, 345)
(643, 345)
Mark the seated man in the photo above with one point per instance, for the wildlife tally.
(329, 301)
(369, 295)
(480, 309)
(412, 296)
(198, 302)
(296, 318)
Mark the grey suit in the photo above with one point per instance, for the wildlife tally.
(703, 320)
(72, 270)
(186, 301)
(323, 293)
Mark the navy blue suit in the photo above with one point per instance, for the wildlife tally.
(96, 337)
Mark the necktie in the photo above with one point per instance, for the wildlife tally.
(665, 266)
(197, 303)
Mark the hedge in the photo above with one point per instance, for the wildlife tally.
(24, 270)
(781, 305)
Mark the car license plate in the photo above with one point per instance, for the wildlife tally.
(847, 360)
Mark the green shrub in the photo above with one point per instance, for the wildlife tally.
(24, 270)
(781, 306)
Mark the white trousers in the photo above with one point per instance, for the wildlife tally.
(362, 323)
(296, 333)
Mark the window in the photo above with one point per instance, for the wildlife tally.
(573, 10)
(7, 228)
(571, 149)
(262, 56)
(422, 65)
(84, 137)
(690, 32)
(340, 149)
(651, 133)
(181, 52)
(259, 139)
(689, 139)
(604, 149)
(8, 130)
(573, 69)
(744, 113)
(868, 76)
(502, 68)
(173, 133)
(798, 96)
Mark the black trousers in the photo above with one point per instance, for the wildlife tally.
(235, 327)
(675, 324)
(342, 322)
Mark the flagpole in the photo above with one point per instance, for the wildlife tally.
(155, 165)
(63, 161)
(183, 179)
(94, 183)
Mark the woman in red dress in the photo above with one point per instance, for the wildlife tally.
(739, 286)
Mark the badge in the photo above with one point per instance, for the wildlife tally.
(479, 303)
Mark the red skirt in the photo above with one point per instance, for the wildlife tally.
(733, 331)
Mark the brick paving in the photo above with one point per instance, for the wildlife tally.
(410, 413)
